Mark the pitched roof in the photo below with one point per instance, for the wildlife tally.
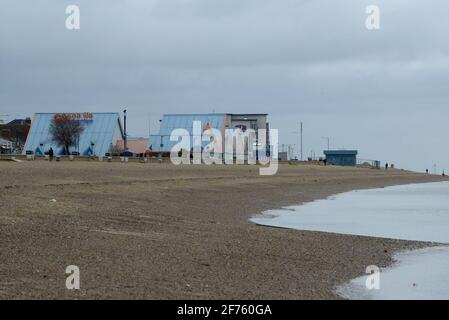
(171, 122)
(100, 130)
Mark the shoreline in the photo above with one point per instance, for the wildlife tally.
(165, 232)
(263, 220)
(287, 207)
(355, 287)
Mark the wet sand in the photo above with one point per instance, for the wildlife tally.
(157, 231)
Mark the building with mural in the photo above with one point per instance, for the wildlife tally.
(101, 131)
(220, 121)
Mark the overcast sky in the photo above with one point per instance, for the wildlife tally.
(384, 92)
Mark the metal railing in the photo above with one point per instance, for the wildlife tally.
(367, 163)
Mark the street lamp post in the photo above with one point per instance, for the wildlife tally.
(161, 145)
(125, 141)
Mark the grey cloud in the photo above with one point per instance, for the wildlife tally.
(297, 60)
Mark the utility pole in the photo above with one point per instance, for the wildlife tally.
(162, 141)
(149, 131)
(125, 144)
(301, 131)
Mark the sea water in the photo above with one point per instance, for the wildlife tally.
(418, 275)
(410, 212)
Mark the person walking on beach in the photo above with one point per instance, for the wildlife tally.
(51, 153)
(386, 166)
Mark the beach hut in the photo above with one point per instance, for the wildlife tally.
(341, 157)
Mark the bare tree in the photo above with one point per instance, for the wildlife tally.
(66, 131)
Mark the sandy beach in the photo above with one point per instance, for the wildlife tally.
(158, 231)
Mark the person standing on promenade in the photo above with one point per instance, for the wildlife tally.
(51, 153)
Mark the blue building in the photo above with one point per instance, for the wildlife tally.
(101, 132)
(221, 121)
(341, 157)
(161, 142)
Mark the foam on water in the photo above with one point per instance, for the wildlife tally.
(411, 212)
